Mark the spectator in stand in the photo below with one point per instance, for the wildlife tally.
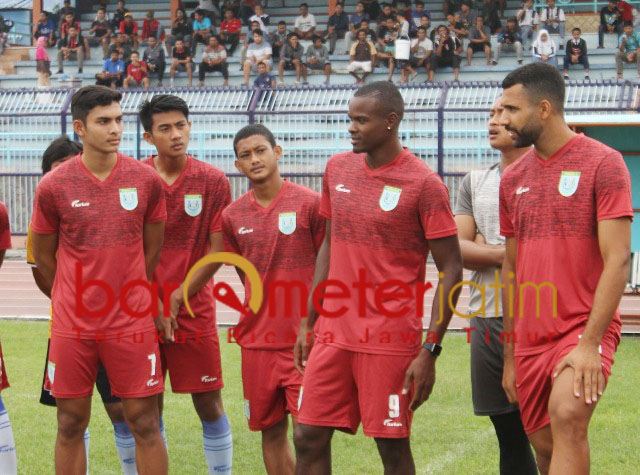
(137, 73)
(154, 57)
(446, 53)
(467, 16)
(71, 47)
(246, 11)
(526, 21)
(576, 53)
(305, 24)
(279, 38)
(316, 58)
(491, 15)
(371, 35)
(425, 23)
(386, 14)
(152, 27)
(509, 40)
(262, 18)
(455, 27)
(248, 40)
(371, 8)
(479, 40)
(100, 32)
(363, 57)
(402, 25)
(610, 22)
(181, 61)
(180, 29)
(416, 18)
(46, 29)
(69, 21)
(214, 58)
(230, 31)
(209, 9)
(118, 16)
(387, 34)
(66, 9)
(421, 50)
(629, 48)
(202, 30)
(129, 27)
(43, 62)
(354, 25)
(113, 70)
(337, 27)
(258, 52)
(121, 47)
(626, 12)
(552, 19)
(291, 58)
(451, 6)
(264, 79)
(544, 49)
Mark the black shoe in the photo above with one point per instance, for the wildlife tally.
(519, 61)
(566, 77)
(587, 78)
(60, 71)
(494, 62)
(561, 46)
(600, 47)
(79, 70)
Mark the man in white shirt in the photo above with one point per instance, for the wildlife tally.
(258, 52)
(526, 21)
(421, 49)
(552, 19)
(262, 18)
(305, 24)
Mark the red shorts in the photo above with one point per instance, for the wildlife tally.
(4, 381)
(271, 387)
(340, 388)
(193, 362)
(534, 376)
(132, 364)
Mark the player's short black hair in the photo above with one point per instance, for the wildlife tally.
(250, 130)
(627, 23)
(576, 29)
(103, 9)
(422, 28)
(419, 2)
(89, 97)
(59, 149)
(282, 22)
(541, 81)
(157, 105)
(304, 5)
(388, 97)
(259, 33)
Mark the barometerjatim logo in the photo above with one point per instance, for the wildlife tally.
(221, 290)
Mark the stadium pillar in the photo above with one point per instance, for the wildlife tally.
(175, 4)
(332, 6)
(37, 9)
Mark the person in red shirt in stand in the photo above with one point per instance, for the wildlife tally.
(278, 228)
(8, 462)
(137, 73)
(385, 211)
(196, 194)
(626, 11)
(97, 229)
(129, 27)
(152, 27)
(230, 31)
(68, 22)
(565, 211)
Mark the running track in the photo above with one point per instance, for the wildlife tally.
(21, 299)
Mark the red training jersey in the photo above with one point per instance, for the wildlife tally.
(100, 227)
(136, 72)
(129, 28)
(552, 207)
(282, 242)
(5, 230)
(231, 26)
(380, 222)
(194, 211)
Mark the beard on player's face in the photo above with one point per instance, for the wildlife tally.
(528, 134)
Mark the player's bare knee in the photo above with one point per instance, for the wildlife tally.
(71, 425)
(208, 405)
(143, 425)
(569, 418)
(115, 412)
(393, 452)
(309, 439)
(276, 434)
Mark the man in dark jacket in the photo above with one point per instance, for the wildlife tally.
(610, 22)
(576, 54)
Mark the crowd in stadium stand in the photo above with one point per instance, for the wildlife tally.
(369, 35)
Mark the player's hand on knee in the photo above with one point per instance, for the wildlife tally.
(302, 348)
(588, 378)
(422, 373)
(509, 381)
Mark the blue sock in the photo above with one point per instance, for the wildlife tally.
(218, 445)
(164, 433)
(8, 462)
(126, 446)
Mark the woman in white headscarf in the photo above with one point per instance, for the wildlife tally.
(544, 49)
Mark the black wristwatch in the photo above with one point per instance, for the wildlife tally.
(434, 348)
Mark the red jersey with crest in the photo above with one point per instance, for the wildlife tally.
(282, 242)
(100, 233)
(552, 207)
(5, 230)
(380, 222)
(194, 211)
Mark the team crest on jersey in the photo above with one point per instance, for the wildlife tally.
(568, 183)
(389, 198)
(287, 222)
(51, 371)
(129, 198)
(193, 205)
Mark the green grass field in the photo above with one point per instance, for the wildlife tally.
(447, 437)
